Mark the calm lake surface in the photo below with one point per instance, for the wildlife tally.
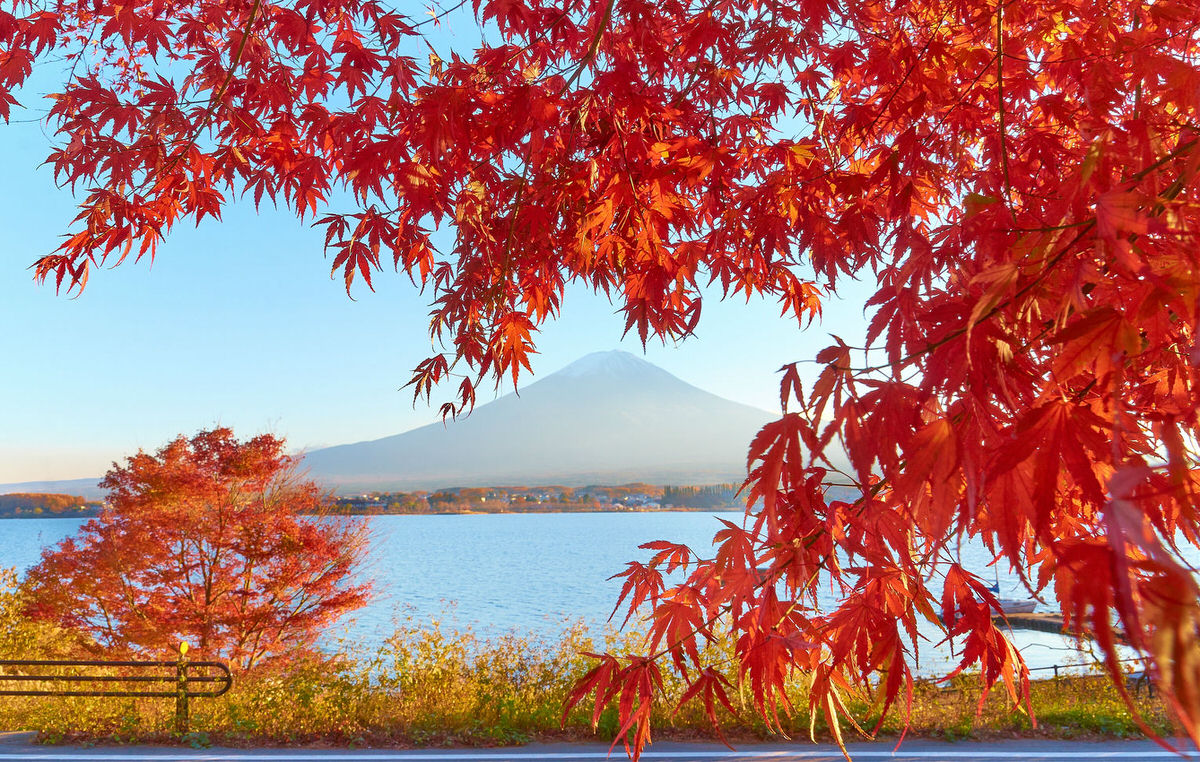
(532, 573)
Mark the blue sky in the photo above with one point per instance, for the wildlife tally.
(239, 323)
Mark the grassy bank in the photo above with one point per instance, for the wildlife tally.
(431, 686)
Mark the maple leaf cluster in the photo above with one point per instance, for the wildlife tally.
(208, 541)
(1019, 180)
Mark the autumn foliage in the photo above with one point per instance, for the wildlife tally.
(1019, 179)
(17, 503)
(210, 541)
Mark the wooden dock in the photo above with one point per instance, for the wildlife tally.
(1041, 623)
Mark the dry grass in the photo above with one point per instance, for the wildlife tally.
(432, 686)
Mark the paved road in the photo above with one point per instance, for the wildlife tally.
(18, 750)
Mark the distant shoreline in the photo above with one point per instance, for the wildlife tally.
(635, 497)
(80, 515)
(672, 509)
(607, 509)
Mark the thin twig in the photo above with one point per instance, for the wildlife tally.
(1000, 106)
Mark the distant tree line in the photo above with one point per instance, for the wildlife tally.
(518, 499)
(553, 498)
(710, 496)
(47, 504)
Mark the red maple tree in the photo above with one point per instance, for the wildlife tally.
(1018, 178)
(211, 541)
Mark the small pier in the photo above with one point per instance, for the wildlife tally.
(1042, 623)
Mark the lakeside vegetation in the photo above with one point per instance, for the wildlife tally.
(47, 505)
(431, 685)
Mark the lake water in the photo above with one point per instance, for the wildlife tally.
(533, 573)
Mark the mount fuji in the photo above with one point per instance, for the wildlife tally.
(608, 418)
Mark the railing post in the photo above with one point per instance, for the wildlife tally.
(181, 691)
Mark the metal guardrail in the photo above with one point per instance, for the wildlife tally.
(1138, 679)
(174, 673)
(1086, 665)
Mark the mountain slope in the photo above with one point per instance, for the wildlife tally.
(83, 487)
(610, 417)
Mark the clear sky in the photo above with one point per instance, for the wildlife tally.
(239, 323)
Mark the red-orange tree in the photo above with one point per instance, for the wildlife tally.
(1018, 178)
(211, 541)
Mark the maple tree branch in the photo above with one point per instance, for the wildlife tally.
(491, 78)
(1179, 150)
(593, 47)
(219, 94)
(773, 577)
(694, 77)
(642, 209)
(956, 333)
(512, 222)
(437, 20)
(87, 43)
(1084, 226)
(1176, 187)
(1137, 95)
(1149, 44)
(1000, 105)
(908, 73)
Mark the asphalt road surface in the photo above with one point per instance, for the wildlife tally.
(17, 749)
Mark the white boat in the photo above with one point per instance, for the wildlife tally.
(1012, 605)
(1017, 607)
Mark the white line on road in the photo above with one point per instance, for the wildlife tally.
(384, 756)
